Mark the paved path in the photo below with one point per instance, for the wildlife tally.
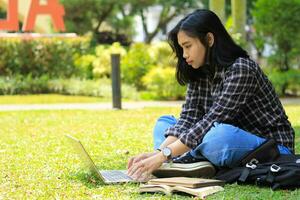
(108, 106)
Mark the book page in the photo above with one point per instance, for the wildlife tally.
(187, 182)
(156, 188)
(168, 190)
(199, 192)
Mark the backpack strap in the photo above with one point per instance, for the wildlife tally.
(266, 152)
(229, 175)
(270, 176)
(244, 175)
(289, 158)
(246, 171)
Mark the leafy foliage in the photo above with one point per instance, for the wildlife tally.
(278, 22)
(40, 56)
(41, 85)
(96, 88)
(95, 16)
(102, 62)
(89, 15)
(84, 63)
(162, 84)
(285, 83)
(169, 10)
(136, 64)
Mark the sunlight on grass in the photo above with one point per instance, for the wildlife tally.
(37, 162)
(293, 112)
(48, 99)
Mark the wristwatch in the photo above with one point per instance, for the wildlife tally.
(167, 152)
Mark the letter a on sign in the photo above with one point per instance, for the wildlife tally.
(52, 8)
(11, 23)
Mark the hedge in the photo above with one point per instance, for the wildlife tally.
(39, 56)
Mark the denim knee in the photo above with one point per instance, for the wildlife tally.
(223, 133)
(225, 144)
(214, 145)
(160, 127)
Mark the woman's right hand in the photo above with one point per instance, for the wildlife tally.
(139, 157)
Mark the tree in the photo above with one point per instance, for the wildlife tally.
(170, 9)
(218, 6)
(83, 16)
(238, 8)
(2, 13)
(277, 23)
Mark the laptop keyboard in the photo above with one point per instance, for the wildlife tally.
(115, 175)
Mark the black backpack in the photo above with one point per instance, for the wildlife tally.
(280, 171)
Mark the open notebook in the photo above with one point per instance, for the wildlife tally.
(168, 190)
(186, 182)
(199, 187)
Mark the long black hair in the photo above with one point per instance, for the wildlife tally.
(222, 53)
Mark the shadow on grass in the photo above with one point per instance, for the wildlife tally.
(88, 179)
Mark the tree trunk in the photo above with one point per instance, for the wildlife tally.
(164, 19)
(218, 7)
(238, 8)
(144, 23)
(286, 65)
(103, 16)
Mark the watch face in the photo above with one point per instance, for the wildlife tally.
(167, 152)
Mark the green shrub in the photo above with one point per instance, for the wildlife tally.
(136, 64)
(285, 83)
(84, 64)
(68, 66)
(73, 86)
(102, 62)
(23, 85)
(162, 84)
(279, 29)
(40, 56)
(98, 88)
(161, 53)
(78, 87)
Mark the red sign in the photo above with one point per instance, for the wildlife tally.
(52, 8)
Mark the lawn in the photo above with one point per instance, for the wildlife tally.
(37, 162)
(47, 99)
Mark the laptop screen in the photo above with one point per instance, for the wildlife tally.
(84, 155)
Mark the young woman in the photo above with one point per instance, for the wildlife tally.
(230, 108)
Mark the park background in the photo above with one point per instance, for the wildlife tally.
(138, 31)
(49, 68)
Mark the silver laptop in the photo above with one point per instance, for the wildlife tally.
(108, 176)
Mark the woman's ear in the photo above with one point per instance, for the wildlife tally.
(210, 39)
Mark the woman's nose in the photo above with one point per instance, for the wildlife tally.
(185, 56)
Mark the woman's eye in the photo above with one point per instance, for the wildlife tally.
(187, 47)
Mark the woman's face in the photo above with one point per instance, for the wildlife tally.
(193, 49)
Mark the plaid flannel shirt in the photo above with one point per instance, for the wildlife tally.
(240, 95)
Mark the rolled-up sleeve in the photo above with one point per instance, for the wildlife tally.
(239, 85)
(192, 109)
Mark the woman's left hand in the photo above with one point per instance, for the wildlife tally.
(144, 168)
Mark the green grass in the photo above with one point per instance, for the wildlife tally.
(48, 99)
(37, 162)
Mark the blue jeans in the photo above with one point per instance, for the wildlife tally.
(223, 145)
